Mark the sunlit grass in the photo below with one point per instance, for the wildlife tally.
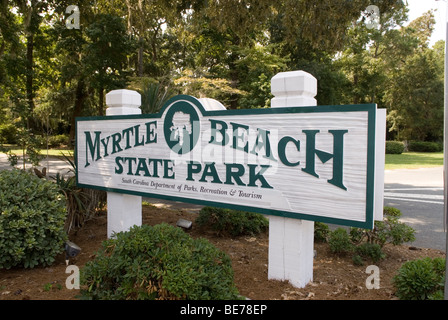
(414, 160)
(44, 152)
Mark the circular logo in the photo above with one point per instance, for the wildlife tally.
(181, 127)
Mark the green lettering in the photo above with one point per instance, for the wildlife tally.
(338, 158)
(282, 151)
(266, 144)
(155, 167)
(151, 135)
(240, 137)
(130, 161)
(93, 147)
(192, 167)
(116, 139)
(168, 169)
(136, 136)
(222, 131)
(126, 133)
(119, 168)
(236, 175)
(337, 155)
(254, 176)
(142, 166)
(105, 144)
(210, 170)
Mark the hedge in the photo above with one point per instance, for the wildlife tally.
(394, 147)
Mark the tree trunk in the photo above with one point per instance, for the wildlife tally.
(101, 102)
(79, 104)
(140, 57)
(30, 78)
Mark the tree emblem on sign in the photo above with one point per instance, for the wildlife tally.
(181, 127)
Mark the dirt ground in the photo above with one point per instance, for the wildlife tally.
(334, 277)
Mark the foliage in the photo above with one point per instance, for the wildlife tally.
(233, 222)
(13, 159)
(393, 67)
(339, 241)
(158, 262)
(394, 147)
(415, 93)
(29, 144)
(389, 230)
(154, 93)
(106, 50)
(424, 146)
(421, 279)
(58, 140)
(255, 67)
(8, 133)
(227, 50)
(31, 221)
(368, 244)
(368, 250)
(81, 203)
(321, 232)
(207, 87)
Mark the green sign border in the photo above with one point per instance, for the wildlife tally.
(370, 181)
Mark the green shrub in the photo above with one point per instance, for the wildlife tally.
(339, 241)
(158, 262)
(233, 222)
(390, 230)
(424, 146)
(58, 140)
(394, 147)
(370, 251)
(392, 212)
(31, 221)
(81, 203)
(8, 133)
(368, 244)
(321, 232)
(420, 279)
(357, 260)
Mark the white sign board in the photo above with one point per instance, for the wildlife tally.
(312, 163)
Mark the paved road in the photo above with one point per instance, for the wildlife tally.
(54, 165)
(418, 193)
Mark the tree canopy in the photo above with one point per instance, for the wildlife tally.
(226, 49)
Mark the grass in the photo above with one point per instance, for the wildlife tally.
(51, 152)
(414, 160)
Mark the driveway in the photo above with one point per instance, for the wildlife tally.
(53, 164)
(418, 193)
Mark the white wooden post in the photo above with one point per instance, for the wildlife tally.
(291, 241)
(123, 211)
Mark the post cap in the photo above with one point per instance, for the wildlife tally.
(123, 98)
(294, 83)
(293, 88)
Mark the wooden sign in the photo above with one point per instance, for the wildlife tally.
(313, 163)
